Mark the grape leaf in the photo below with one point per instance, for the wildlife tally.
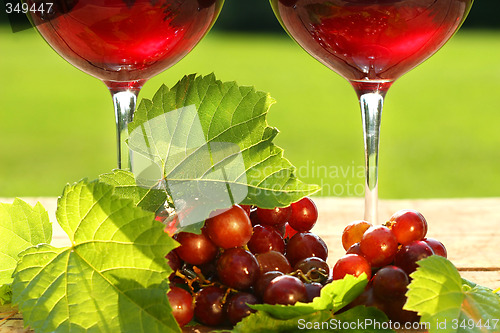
(211, 144)
(112, 277)
(448, 303)
(125, 186)
(21, 226)
(5, 294)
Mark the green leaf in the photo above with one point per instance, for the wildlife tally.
(112, 277)
(21, 226)
(211, 143)
(334, 296)
(5, 294)
(450, 304)
(149, 199)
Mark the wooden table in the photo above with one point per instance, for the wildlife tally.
(469, 228)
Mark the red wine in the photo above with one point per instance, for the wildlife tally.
(375, 40)
(125, 40)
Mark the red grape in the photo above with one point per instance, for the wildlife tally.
(173, 260)
(304, 245)
(355, 249)
(408, 226)
(195, 249)
(182, 305)
(274, 216)
(395, 312)
(436, 246)
(352, 264)
(230, 228)
(208, 308)
(281, 229)
(313, 290)
(390, 282)
(286, 290)
(367, 298)
(408, 255)
(247, 209)
(289, 231)
(266, 238)
(316, 268)
(237, 308)
(237, 268)
(273, 261)
(304, 215)
(263, 281)
(254, 219)
(353, 233)
(379, 246)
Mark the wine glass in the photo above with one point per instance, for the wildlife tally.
(371, 43)
(124, 43)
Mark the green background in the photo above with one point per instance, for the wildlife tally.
(439, 138)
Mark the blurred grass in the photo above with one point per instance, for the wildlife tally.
(440, 133)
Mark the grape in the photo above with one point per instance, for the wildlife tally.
(263, 281)
(379, 246)
(286, 290)
(408, 226)
(208, 308)
(182, 305)
(352, 264)
(209, 270)
(355, 249)
(353, 233)
(315, 268)
(273, 261)
(273, 216)
(390, 282)
(436, 246)
(254, 219)
(367, 298)
(281, 229)
(247, 209)
(408, 255)
(237, 268)
(289, 231)
(395, 312)
(236, 306)
(195, 249)
(304, 215)
(313, 290)
(304, 245)
(173, 260)
(230, 228)
(266, 238)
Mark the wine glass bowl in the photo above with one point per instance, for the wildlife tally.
(121, 40)
(371, 43)
(125, 42)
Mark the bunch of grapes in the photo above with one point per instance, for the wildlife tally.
(387, 254)
(247, 255)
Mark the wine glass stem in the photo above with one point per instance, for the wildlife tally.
(371, 112)
(124, 102)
